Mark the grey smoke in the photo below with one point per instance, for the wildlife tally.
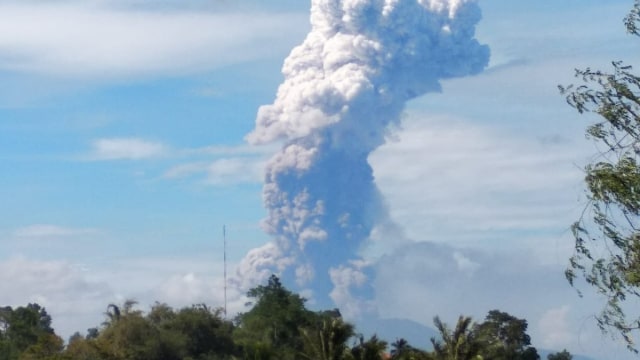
(344, 87)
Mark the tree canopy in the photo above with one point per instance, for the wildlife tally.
(277, 326)
(505, 337)
(607, 236)
(275, 320)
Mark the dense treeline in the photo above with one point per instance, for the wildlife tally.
(278, 326)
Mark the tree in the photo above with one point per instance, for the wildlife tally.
(48, 347)
(274, 322)
(402, 350)
(607, 235)
(328, 341)
(372, 349)
(92, 333)
(563, 355)
(26, 332)
(204, 330)
(82, 348)
(456, 344)
(504, 337)
(129, 335)
(191, 333)
(27, 324)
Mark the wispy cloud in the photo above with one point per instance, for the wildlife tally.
(77, 39)
(125, 149)
(226, 165)
(210, 165)
(186, 170)
(235, 170)
(221, 172)
(243, 149)
(48, 231)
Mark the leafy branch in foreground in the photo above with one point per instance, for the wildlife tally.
(607, 235)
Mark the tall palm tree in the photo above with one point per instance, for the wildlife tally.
(399, 348)
(329, 342)
(458, 344)
(114, 312)
(372, 349)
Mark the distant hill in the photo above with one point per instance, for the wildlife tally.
(390, 330)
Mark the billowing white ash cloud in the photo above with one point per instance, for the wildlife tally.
(344, 86)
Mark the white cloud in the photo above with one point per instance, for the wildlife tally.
(231, 165)
(185, 289)
(236, 150)
(422, 280)
(126, 149)
(555, 329)
(77, 39)
(464, 263)
(236, 170)
(76, 295)
(74, 302)
(221, 172)
(452, 180)
(47, 230)
(186, 170)
(212, 165)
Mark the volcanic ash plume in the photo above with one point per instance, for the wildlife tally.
(344, 86)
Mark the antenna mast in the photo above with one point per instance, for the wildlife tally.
(224, 237)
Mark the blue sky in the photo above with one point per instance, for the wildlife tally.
(122, 155)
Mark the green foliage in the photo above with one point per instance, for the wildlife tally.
(500, 337)
(372, 349)
(82, 349)
(329, 341)
(278, 326)
(48, 347)
(504, 337)
(27, 324)
(196, 332)
(132, 337)
(203, 329)
(402, 350)
(275, 320)
(26, 333)
(607, 236)
(258, 351)
(563, 355)
(193, 333)
(456, 344)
